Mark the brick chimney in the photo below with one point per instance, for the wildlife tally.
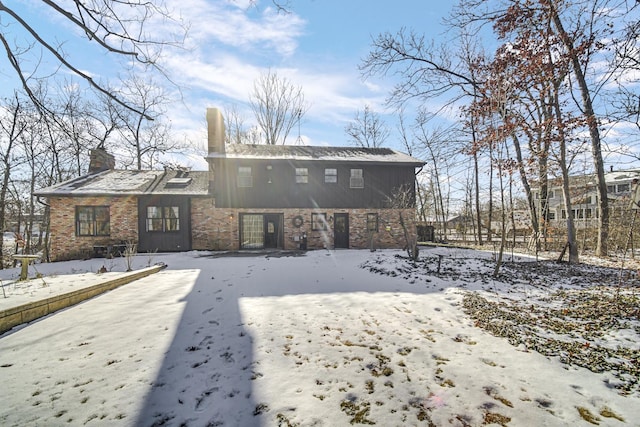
(215, 142)
(215, 129)
(100, 160)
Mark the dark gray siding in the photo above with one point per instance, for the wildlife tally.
(274, 184)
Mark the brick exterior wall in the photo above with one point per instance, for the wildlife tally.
(211, 228)
(218, 229)
(65, 244)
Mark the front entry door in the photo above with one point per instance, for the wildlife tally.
(272, 227)
(341, 230)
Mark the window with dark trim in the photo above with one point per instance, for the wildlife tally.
(330, 176)
(357, 179)
(163, 218)
(372, 222)
(318, 221)
(302, 176)
(245, 179)
(92, 221)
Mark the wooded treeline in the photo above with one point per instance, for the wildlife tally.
(516, 93)
(537, 86)
(40, 149)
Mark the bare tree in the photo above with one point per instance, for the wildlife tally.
(428, 71)
(403, 199)
(12, 125)
(438, 147)
(72, 118)
(117, 28)
(144, 135)
(235, 126)
(367, 129)
(579, 50)
(278, 105)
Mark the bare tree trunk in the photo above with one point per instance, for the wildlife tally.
(564, 168)
(503, 220)
(594, 132)
(476, 172)
(490, 210)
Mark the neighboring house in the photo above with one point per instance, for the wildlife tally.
(252, 197)
(584, 196)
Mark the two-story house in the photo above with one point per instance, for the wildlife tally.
(252, 197)
(584, 196)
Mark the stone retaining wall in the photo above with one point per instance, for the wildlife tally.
(15, 316)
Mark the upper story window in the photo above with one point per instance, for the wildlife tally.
(302, 175)
(357, 179)
(330, 176)
(245, 179)
(622, 188)
(92, 221)
(619, 188)
(163, 218)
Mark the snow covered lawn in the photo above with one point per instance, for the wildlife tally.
(332, 338)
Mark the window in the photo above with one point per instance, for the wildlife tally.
(318, 221)
(302, 175)
(357, 179)
(563, 214)
(245, 179)
(611, 188)
(163, 218)
(330, 176)
(92, 221)
(551, 215)
(588, 213)
(623, 188)
(372, 222)
(577, 213)
(551, 194)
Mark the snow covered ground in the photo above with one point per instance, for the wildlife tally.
(329, 338)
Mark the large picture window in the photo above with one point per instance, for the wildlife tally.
(163, 218)
(252, 236)
(92, 221)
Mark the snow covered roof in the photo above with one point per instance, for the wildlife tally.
(133, 182)
(315, 153)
